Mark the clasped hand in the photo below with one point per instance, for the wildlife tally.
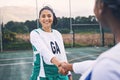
(64, 67)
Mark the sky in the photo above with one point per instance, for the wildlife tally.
(60, 7)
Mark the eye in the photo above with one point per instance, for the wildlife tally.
(49, 15)
(43, 16)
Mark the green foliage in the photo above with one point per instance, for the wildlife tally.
(8, 36)
(17, 27)
(31, 25)
(65, 31)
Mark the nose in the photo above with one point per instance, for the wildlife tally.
(46, 17)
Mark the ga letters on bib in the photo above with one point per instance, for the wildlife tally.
(55, 48)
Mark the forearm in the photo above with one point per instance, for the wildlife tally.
(69, 67)
(81, 67)
(55, 61)
(36, 41)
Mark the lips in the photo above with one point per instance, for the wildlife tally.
(47, 22)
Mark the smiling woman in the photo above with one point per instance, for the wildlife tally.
(48, 49)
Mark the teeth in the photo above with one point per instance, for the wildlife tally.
(46, 23)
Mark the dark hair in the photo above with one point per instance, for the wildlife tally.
(114, 5)
(54, 16)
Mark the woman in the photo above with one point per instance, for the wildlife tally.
(48, 48)
(107, 65)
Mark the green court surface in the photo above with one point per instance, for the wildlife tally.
(17, 65)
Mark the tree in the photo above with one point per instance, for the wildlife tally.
(8, 36)
(17, 27)
(31, 25)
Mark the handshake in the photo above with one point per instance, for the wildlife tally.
(64, 67)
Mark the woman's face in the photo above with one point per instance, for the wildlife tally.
(46, 18)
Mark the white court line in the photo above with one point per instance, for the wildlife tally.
(32, 62)
(16, 58)
(16, 63)
(81, 57)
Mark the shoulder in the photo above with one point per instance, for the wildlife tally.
(105, 69)
(56, 31)
(35, 31)
(111, 54)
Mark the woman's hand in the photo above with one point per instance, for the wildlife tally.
(62, 68)
(60, 65)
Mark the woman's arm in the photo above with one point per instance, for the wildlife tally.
(81, 67)
(55, 61)
(78, 67)
(41, 47)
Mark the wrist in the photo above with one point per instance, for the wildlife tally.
(55, 61)
(58, 65)
(70, 67)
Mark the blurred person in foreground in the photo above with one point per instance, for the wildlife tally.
(48, 49)
(107, 65)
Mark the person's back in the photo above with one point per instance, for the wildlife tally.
(106, 66)
(108, 63)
